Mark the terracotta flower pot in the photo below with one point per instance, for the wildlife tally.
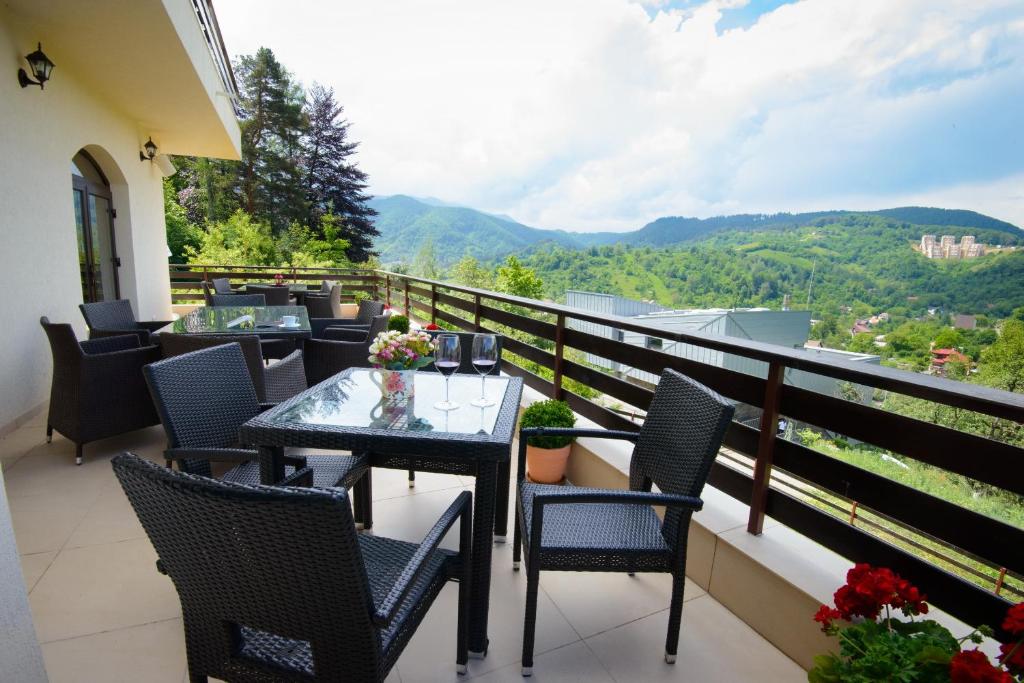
(547, 465)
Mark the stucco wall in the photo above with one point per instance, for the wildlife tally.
(41, 131)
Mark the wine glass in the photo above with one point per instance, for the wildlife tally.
(485, 355)
(447, 358)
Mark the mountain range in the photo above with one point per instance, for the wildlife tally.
(406, 223)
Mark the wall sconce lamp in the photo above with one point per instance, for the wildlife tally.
(150, 152)
(41, 67)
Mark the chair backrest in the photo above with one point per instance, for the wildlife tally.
(222, 285)
(678, 442)
(275, 296)
(173, 345)
(327, 285)
(259, 570)
(377, 325)
(466, 348)
(207, 292)
(319, 307)
(368, 310)
(239, 300)
(109, 315)
(67, 352)
(334, 296)
(203, 397)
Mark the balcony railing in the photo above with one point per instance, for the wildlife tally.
(783, 478)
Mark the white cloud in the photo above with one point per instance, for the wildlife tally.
(592, 114)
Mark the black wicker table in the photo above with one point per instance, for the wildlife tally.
(346, 413)
(264, 321)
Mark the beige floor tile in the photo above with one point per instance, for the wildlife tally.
(34, 566)
(574, 663)
(596, 602)
(410, 517)
(714, 645)
(109, 520)
(44, 522)
(152, 653)
(389, 483)
(430, 655)
(100, 588)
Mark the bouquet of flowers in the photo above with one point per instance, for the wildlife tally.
(875, 645)
(393, 350)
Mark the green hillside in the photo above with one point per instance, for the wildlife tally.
(405, 224)
(856, 259)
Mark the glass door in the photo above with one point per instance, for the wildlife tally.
(97, 253)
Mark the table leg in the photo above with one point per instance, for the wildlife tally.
(271, 464)
(501, 501)
(483, 526)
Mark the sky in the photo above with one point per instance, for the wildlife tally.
(596, 115)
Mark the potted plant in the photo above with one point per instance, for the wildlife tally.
(397, 356)
(547, 456)
(399, 323)
(876, 646)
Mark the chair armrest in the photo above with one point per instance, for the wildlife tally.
(300, 477)
(577, 432)
(141, 333)
(348, 334)
(215, 454)
(154, 325)
(120, 342)
(622, 497)
(349, 322)
(462, 509)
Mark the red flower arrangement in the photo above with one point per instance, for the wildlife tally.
(278, 279)
(875, 645)
(431, 327)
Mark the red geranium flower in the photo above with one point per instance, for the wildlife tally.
(1014, 622)
(825, 616)
(1012, 656)
(972, 666)
(432, 327)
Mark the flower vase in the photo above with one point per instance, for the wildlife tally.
(397, 386)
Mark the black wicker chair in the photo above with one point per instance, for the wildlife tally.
(567, 528)
(273, 294)
(276, 585)
(204, 397)
(368, 310)
(343, 348)
(273, 383)
(239, 300)
(326, 286)
(114, 318)
(222, 285)
(98, 389)
(320, 305)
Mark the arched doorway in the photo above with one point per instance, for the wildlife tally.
(94, 220)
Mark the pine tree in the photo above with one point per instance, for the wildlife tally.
(333, 183)
(272, 125)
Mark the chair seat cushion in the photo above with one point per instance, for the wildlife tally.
(328, 471)
(594, 528)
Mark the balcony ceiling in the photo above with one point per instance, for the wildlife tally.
(147, 59)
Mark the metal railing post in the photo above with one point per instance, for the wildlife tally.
(556, 390)
(765, 447)
(433, 304)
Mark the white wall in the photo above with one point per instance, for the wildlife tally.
(40, 131)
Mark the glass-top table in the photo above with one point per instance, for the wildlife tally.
(355, 401)
(265, 321)
(347, 413)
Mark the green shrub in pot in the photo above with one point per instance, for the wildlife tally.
(547, 456)
(399, 323)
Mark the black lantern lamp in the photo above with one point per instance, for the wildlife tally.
(150, 152)
(41, 66)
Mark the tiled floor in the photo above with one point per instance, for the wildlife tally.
(103, 613)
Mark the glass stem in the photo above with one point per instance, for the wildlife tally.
(446, 389)
(483, 395)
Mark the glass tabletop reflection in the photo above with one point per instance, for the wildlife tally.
(356, 401)
(240, 320)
